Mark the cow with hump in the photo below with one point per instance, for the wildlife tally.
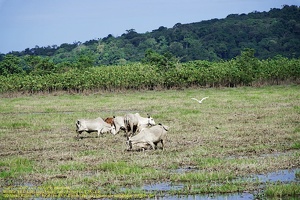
(94, 125)
(134, 121)
(148, 137)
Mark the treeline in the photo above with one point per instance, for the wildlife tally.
(272, 33)
(159, 71)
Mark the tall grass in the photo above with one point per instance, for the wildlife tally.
(283, 190)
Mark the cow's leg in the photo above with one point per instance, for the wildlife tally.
(135, 129)
(127, 133)
(99, 132)
(131, 129)
(78, 133)
(162, 144)
(127, 130)
(129, 145)
(152, 145)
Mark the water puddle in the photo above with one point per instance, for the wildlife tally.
(209, 197)
(284, 176)
(163, 187)
(183, 170)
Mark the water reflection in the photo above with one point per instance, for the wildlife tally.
(286, 176)
(162, 187)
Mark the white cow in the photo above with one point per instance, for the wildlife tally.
(148, 137)
(119, 123)
(94, 125)
(133, 121)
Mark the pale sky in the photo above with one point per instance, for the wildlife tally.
(27, 23)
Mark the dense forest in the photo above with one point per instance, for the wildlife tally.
(272, 33)
(241, 49)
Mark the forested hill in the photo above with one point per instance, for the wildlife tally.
(268, 33)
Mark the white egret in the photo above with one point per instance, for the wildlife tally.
(199, 101)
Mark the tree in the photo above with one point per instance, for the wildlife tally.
(163, 62)
(248, 66)
(10, 65)
(39, 65)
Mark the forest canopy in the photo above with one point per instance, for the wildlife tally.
(276, 32)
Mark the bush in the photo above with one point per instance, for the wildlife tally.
(244, 70)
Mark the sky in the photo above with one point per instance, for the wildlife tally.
(27, 23)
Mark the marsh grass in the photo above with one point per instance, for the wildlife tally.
(279, 190)
(15, 167)
(226, 137)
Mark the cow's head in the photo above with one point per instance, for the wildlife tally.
(119, 123)
(151, 121)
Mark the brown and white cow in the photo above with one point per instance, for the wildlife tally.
(109, 120)
(94, 125)
(117, 121)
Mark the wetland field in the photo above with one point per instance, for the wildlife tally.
(211, 148)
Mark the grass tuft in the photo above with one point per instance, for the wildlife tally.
(282, 190)
(120, 168)
(72, 167)
(296, 145)
(15, 167)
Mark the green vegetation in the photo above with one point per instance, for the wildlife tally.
(283, 190)
(240, 71)
(120, 168)
(211, 147)
(15, 167)
(240, 50)
(67, 192)
(269, 33)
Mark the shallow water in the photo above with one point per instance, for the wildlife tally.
(284, 176)
(211, 197)
(163, 187)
